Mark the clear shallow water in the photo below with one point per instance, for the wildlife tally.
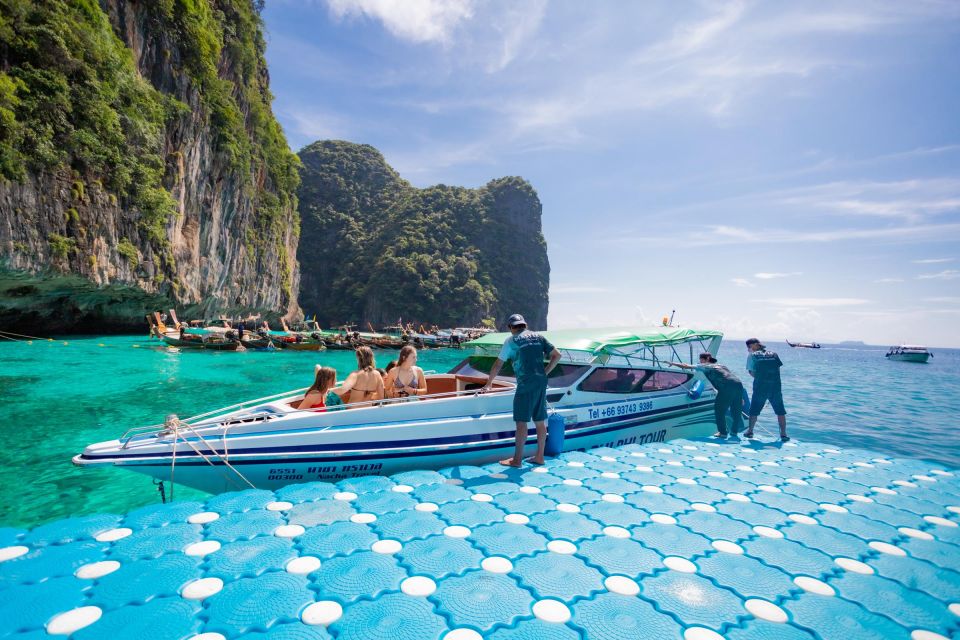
(61, 397)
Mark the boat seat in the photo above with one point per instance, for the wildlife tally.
(452, 383)
(441, 383)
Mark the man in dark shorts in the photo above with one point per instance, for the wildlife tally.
(764, 366)
(527, 351)
(729, 393)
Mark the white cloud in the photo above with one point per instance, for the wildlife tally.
(724, 234)
(944, 299)
(815, 302)
(515, 24)
(485, 33)
(714, 62)
(641, 318)
(947, 274)
(560, 289)
(693, 37)
(888, 280)
(933, 260)
(427, 159)
(413, 20)
(916, 200)
(310, 123)
(911, 200)
(773, 276)
(742, 282)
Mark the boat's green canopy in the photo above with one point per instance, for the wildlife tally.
(615, 341)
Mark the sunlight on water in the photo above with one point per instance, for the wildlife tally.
(61, 397)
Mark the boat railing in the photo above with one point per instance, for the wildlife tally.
(432, 396)
(154, 429)
(133, 432)
(246, 403)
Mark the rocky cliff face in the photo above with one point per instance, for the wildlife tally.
(374, 249)
(140, 165)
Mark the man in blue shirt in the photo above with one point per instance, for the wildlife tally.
(527, 351)
(764, 366)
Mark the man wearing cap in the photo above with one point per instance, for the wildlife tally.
(764, 366)
(527, 351)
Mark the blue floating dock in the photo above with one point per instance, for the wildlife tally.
(690, 540)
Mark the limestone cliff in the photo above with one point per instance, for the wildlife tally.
(140, 165)
(374, 249)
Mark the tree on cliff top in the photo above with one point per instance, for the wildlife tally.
(374, 248)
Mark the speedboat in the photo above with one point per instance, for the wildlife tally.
(804, 345)
(183, 336)
(192, 338)
(612, 387)
(909, 353)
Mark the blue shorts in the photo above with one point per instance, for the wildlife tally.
(764, 392)
(530, 403)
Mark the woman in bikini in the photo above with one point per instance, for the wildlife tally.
(365, 383)
(406, 379)
(321, 395)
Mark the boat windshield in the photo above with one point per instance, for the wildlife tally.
(563, 375)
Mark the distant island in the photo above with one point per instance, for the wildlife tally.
(374, 248)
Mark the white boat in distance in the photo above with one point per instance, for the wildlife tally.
(909, 353)
(612, 387)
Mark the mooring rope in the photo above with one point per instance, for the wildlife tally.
(21, 335)
(173, 423)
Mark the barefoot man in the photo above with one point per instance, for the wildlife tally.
(527, 350)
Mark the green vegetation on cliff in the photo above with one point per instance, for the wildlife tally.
(207, 31)
(374, 248)
(71, 97)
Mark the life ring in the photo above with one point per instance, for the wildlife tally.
(696, 390)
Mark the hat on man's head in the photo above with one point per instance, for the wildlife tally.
(516, 320)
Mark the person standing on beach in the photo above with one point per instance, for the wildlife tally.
(527, 351)
(764, 366)
(729, 393)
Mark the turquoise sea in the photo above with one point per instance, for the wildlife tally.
(64, 394)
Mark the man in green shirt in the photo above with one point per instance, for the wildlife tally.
(527, 351)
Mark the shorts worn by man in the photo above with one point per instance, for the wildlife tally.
(526, 350)
(764, 366)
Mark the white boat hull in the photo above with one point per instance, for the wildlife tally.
(909, 357)
(612, 388)
(476, 439)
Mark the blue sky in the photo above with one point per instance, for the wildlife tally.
(760, 167)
